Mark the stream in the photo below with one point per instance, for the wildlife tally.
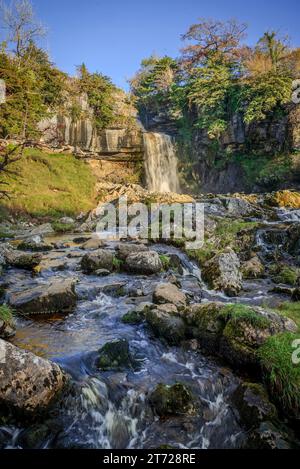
(111, 409)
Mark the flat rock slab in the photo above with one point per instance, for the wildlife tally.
(27, 383)
(59, 296)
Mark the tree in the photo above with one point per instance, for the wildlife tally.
(99, 90)
(273, 47)
(155, 77)
(215, 40)
(23, 29)
(8, 155)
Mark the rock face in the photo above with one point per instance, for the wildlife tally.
(169, 293)
(143, 263)
(222, 272)
(27, 383)
(172, 400)
(58, 297)
(23, 260)
(99, 259)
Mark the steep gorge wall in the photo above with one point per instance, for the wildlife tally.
(219, 165)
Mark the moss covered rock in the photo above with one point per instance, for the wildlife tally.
(279, 357)
(253, 404)
(115, 356)
(172, 400)
(166, 323)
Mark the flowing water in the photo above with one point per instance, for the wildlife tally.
(160, 163)
(111, 409)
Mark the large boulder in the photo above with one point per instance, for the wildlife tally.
(45, 229)
(166, 324)
(234, 331)
(174, 400)
(222, 272)
(34, 243)
(57, 297)
(169, 293)
(99, 259)
(143, 263)
(125, 249)
(27, 383)
(23, 260)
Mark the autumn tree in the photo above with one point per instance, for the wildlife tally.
(22, 27)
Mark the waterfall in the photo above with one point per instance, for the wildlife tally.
(160, 163)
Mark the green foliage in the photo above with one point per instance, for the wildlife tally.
(62, 227)
(117, 263)
(99, 90)
(291, 310)
(281, 375)
(265, 93)
(34, 87)
(238, 312)
(165, 260)
(286, 274)
(6, 314)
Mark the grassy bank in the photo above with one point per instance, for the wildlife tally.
(50, 185)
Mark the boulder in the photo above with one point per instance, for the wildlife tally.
(252, 402)
(115, 356)
(7, 329)
(166, 324)
(268, 436)
(222, 272)
(23, 260)
(66, 221)
(143, 263)
(41, 230)
(169, 293)
(34, 243)
(27, 383)
(125, 249)
(253, 268)
(234, 331)
(174, 400)
(99, 259)
(92, 244)
(57, 297)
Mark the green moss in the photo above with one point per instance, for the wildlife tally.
(280, 373)
(287, 275)
(239, 312)
(50, 185)
(228, 233)
(63, 227)
(6, 314)
(117, 263)
(165, 260)
(5, 235)
(290, 310)
(132, 317)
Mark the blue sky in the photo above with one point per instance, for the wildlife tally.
(112, 36)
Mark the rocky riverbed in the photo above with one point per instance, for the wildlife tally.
(144, 345)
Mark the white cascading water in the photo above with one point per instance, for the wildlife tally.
(160, 163)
